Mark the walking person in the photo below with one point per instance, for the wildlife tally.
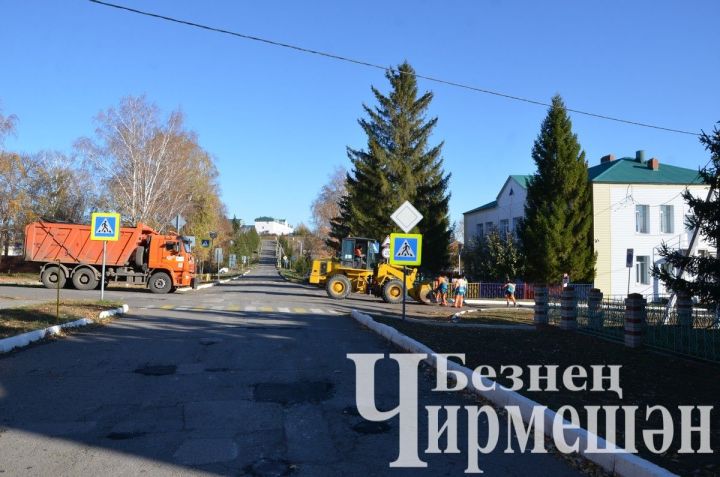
(509, 292)
(460, 289)
(443, 290)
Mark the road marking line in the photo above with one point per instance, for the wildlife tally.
(250, 308)
(234, 308)
(317, 311)
(217, 308)
(181, 308)
(166, 307)
(299, 310)
(283, 310)
(267, 309)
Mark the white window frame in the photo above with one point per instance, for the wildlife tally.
(667, 220)
(504, 227)
(642, 220)
(642, 269)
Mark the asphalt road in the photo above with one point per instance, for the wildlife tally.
(246, 378)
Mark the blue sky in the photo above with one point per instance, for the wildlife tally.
(278, 121)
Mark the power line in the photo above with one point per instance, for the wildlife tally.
(385, 68)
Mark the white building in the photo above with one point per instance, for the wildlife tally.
(504, 213)
(637, 205)
(270, 226)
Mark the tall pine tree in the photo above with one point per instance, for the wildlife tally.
(703, 270)
(557, 234)
(397, 165)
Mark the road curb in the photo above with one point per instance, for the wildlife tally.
(22, 340)
(620, 464)
(212, 284)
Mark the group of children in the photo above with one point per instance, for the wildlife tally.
(441, 287)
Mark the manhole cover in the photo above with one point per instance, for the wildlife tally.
(293, 393)
(369, 427)
(157, 370)
(269, 468)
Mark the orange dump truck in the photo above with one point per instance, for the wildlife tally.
(141, 256)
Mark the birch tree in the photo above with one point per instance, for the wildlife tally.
(141, 159)
(58, 188)
(13, 197)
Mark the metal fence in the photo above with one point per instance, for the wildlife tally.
(662, 329)
(700, 340)
(523, 291)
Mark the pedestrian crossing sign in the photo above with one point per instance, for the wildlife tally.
(105, 226)
(405, 249)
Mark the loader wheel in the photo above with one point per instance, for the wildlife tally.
(84, 279)
(392, 291)
(51, 276)
(338, 287)
(160, 282)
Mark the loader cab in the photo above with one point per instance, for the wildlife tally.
(360, 253)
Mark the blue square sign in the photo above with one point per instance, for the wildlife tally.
(405, 249)
(105, 226)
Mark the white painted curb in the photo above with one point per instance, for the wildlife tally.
(208, 285)
(621, 463)
(19, 341)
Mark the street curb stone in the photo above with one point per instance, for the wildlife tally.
(22, 340)
(621, 464)
(208, 285)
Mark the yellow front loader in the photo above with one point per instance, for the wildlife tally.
(360, 269)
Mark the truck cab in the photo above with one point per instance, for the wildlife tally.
(171, 254)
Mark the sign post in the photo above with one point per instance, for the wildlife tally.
(406, 217)
(104, 226)
(629, 264)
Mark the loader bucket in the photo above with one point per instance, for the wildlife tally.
(422, 293)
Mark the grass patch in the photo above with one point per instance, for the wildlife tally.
(647, 378)
(485, 316)
(292, 276)
(19, 277)
(15, 321)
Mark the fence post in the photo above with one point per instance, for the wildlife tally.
(685, 310)
(595, 311)
(568, 309)
(541, 306)
(635, 315)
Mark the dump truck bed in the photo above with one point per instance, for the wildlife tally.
(70, 243)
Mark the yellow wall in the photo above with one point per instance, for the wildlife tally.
(601, 235)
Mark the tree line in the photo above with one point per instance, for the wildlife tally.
(143, 164)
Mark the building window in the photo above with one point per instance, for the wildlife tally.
(489, 226)
(666, 219)
(516, 223)
(504, 227)
(642, 273)
(479, 230)
(642, 225)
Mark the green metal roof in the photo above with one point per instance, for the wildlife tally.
(630, 171)
(523, 180)
(489, 205)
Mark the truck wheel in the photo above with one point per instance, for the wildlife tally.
(392, 291)
(50, 277)
(160, 282)
(338, 287)
(84, 279)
